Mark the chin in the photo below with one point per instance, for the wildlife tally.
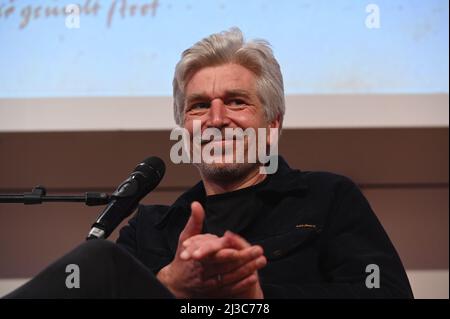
(226, 171)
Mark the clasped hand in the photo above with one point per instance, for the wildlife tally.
(208, 266)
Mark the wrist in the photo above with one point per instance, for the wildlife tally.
(166, 278)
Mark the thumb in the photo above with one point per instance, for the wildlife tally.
(195, 223)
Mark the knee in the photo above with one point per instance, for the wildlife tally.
(98, 247)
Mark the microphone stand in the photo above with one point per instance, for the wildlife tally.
(38, 196)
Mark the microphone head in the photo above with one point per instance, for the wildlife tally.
(153, 168)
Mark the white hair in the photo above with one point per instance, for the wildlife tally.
(230, 47)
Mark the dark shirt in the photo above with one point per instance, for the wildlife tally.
(317, 230)
(239, 211)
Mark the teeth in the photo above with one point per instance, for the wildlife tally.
(207, 141)
(222, 140)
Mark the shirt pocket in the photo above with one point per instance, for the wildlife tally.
(284, 244)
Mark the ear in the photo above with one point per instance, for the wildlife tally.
(276, 123)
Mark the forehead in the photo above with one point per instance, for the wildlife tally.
(216, 80)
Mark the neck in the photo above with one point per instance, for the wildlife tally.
(213, 187)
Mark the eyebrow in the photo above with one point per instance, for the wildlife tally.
(196, 97)
(237, 92)
(228, 94)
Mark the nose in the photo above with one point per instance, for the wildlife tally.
(217, 114)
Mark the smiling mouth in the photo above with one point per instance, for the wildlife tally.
(204, 142)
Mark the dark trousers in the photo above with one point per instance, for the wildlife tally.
(105, 271)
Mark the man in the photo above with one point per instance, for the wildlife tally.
(240, 232)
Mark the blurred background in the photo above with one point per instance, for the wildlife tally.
(86, 95)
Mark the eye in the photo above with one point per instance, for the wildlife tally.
(200, 105)
(236, 102)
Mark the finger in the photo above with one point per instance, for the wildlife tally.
(195, 240)
(230, 289)
(243, 271)
(190, 245)
(236, 241)
(229, 240)
(231, 255)
(195, 223)
(242, 286)
(228, 260)
(208, 247)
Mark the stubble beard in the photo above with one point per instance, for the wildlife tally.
(226, 172)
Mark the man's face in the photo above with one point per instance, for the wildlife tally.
(224, 97)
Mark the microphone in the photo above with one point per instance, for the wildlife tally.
(144, 178)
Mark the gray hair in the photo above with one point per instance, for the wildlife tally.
(229, 47)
